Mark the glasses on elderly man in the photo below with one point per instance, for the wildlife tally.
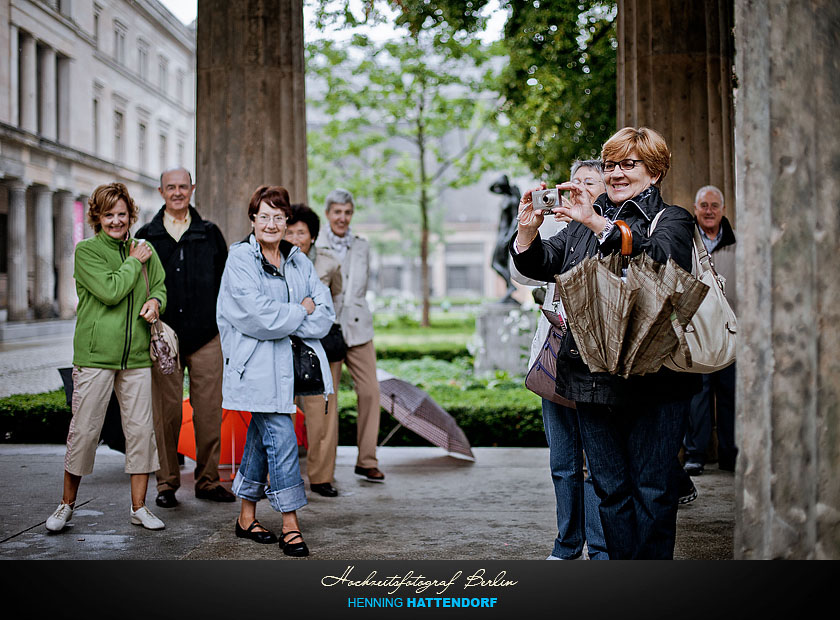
(277, 219)
(624, 164)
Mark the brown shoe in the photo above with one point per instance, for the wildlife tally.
(371, 474)
(216, 494)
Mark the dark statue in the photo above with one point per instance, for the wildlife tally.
(507, 226)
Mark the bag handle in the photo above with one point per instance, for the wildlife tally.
(701, 254)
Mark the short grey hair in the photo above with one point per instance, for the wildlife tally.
(339, 196)
(595, 164)
(708, 188)
(175, 169)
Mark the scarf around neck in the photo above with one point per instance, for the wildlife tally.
(340, 245)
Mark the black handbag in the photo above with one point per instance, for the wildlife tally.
(334, 345)
(308, 379)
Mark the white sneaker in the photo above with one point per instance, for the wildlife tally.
(143, 516)
(58, 519)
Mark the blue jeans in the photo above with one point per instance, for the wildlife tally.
(718, 393)
(632, 452)
(271, 454)
(577, 505)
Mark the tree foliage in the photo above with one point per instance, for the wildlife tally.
(401, 121)
(416, 15)
(560, 84)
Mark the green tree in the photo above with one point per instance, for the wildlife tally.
(402, 121)
(560, 84)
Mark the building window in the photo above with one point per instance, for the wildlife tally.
(162, 152)
(181, 161)
(119, 137)
(96, 125)
(463, 279)
(96, 12)
(163, 73)
(143, 60)
(179, 86)
(119, 42)
(390, 278)
(141, 147)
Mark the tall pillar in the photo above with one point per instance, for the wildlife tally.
(8, 67)
(17, 296)
(44, 264)
(788, 184)
(47, 114)
(64, 255)
(63, 99)
(675, 76)
(250, 112)
(28, 83)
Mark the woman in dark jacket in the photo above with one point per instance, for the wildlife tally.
(631, 428)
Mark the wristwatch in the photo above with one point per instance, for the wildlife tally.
(603, 234)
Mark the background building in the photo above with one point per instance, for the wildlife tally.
(90, 92)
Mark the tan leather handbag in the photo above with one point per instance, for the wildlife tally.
(711, 333)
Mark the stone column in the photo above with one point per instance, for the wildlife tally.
(47, 103)
(674, 75)
(28, 83)
(44, 265)
(17, 296)
(8, 68)
(63, 100)
(250, 112)
(64, 255)
(788, 184)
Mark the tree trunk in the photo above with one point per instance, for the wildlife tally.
(424, 210)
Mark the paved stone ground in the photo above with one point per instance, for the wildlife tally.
(432, 507)
(31, 366)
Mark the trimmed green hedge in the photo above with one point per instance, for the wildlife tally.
(489, 417)
(34, 418)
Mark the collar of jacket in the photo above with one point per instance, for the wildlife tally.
(115, 243)
(648, 204)
(288, 250)
(728, 235)
(157, 229)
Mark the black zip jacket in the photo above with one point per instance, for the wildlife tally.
(673, 237)
(193, 267)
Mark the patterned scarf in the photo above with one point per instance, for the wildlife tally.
(340, 245)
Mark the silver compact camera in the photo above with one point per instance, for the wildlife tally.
(545, 200)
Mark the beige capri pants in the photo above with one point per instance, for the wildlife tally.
(91, 392)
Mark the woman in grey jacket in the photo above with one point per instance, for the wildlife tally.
(270, 292)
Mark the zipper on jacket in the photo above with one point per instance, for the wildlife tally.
(128, 312)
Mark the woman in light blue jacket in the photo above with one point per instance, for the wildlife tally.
(270, 295)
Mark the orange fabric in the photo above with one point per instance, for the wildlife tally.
(234, 430)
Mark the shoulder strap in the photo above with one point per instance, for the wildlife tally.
(655, 221)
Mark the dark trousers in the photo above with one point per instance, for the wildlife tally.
(718, 393)
(632, 451)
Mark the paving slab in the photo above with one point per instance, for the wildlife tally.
(431, 507)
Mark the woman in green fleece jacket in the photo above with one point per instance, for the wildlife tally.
(111, 349)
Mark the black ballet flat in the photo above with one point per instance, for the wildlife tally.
(297, 549)
(264, 538)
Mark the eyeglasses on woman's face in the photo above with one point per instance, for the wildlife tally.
(624, 164)
(265, 220)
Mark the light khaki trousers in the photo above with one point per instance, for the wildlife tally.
(361, 363)
(92, 389)
(322, 437)
(205, 368)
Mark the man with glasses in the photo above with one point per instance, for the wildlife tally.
(193, 252)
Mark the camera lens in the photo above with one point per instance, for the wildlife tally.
(547, 199)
